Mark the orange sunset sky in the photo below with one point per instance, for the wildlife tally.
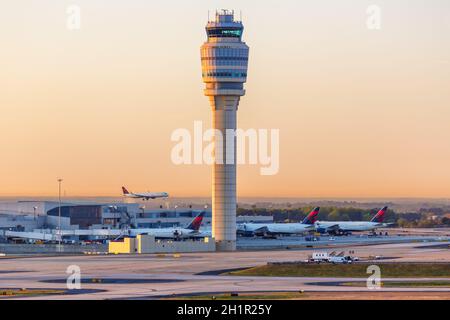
(361, 113)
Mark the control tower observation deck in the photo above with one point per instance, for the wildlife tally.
(224, 70)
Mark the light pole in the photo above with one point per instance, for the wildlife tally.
(34, 212)
(206, 208)
(176, 215)
(59, 211)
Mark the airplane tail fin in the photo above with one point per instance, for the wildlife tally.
(312, 216)
(196, 222)
(125, 191)
(379, 217)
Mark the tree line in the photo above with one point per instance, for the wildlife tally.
(421, 219)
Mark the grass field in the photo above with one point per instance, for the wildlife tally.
(329, 295)
(246, 296)
(27, 292)
(394, 270)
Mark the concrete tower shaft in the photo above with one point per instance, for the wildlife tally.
(224, 69)
(224, 174)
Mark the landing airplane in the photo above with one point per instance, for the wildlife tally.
(345, 227)
(145, 195)
(273, 229)
(190, 231)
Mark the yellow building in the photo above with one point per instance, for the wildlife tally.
(125, 245)
(148, 244)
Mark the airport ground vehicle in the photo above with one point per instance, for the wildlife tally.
(332, 257)
(343, 260)
(320, 257)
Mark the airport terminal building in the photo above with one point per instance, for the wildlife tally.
(31, 215)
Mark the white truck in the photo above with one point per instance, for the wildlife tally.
(342, 259)
(319, 257)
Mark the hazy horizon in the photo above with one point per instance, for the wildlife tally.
(207, 197)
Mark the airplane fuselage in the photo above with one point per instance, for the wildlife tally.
(274, 228)
(147, 195)
(169, 233)
(349, 226)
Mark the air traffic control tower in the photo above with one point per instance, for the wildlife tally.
(224, 69)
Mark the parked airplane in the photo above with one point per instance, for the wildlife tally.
(345, 227)
(273, 229)
(145, 195)
(191, 231)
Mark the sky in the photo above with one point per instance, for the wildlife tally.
(361, 112)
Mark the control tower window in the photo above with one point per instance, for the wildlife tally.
(224, 33)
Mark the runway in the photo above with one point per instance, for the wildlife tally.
(152, 276)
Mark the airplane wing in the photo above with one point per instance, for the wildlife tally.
(383, 224)
(333, 227)
(327, 228)
(262, 229)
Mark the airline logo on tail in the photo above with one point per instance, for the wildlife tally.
(197, 222)
(125, 191)
(312, 216)
(379, 217)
